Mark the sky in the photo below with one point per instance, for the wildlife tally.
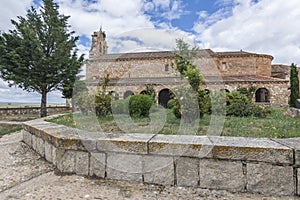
(260, 26)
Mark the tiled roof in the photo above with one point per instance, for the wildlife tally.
(281, 68)
(171, 54)
(240, 53)
(147, 55)
(137, 55)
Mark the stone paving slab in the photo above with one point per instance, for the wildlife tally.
(18, 162)
(24, 175)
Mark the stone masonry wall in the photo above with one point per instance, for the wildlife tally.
(129, 69)
(266, 166)
(278, 91)
(29, 112)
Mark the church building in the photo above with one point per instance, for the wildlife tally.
(131, 72)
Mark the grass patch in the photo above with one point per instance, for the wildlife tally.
(9, 128)
(275, 125)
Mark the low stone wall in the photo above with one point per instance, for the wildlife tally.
(29, 112)
(267, 166)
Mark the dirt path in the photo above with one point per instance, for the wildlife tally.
(24, 175)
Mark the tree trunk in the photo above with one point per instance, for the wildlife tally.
(44, 104)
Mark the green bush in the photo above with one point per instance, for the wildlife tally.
(139, 105)
(204, 101)
(171, 103)
(176, 109)
(102, 104)
(240, 105)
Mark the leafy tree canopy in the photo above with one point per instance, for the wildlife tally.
(40, 53)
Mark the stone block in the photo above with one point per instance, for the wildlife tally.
(126, 143)
(27, 137)
(181, 145)
(65, 160)
(293, 143)
(54, 160)
(217, 174)
(251, 149)
(40, 148)
(48, 152)
(97, 165)
(90, 145)
(187, 171)
(159, 170)
(270, 179)
(124, 167)
(34, 142)
(82, 163)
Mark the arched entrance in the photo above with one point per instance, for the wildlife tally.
(127, 94)
(143, 92)
(163, 97)
(262, 95)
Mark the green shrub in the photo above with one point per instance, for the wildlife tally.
(204, 101)
(102, 104)
(176, 109)
(240, 105)
(171, 103)
(139, 105)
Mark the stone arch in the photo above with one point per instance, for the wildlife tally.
(115, 95)
(262, 95)
(164, 96)
(225, 90)
(143, 92)
(127, 94)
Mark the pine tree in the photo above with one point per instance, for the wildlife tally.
(294, 86)
(40, 53)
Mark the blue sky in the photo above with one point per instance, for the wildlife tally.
(262, 26)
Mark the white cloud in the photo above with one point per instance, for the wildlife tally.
(17, 95)
(148, 39)
(11, 10)
(268, 26)
(119, 18)
(115, 16)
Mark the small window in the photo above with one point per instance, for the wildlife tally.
(224, 66)
(166, 67)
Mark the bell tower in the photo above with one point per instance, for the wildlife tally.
(99, 45)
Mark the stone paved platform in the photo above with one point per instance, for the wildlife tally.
(25, 175)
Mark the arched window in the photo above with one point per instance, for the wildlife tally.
(128, 93)
(262, 95)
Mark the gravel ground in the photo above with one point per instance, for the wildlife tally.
(25, 175)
